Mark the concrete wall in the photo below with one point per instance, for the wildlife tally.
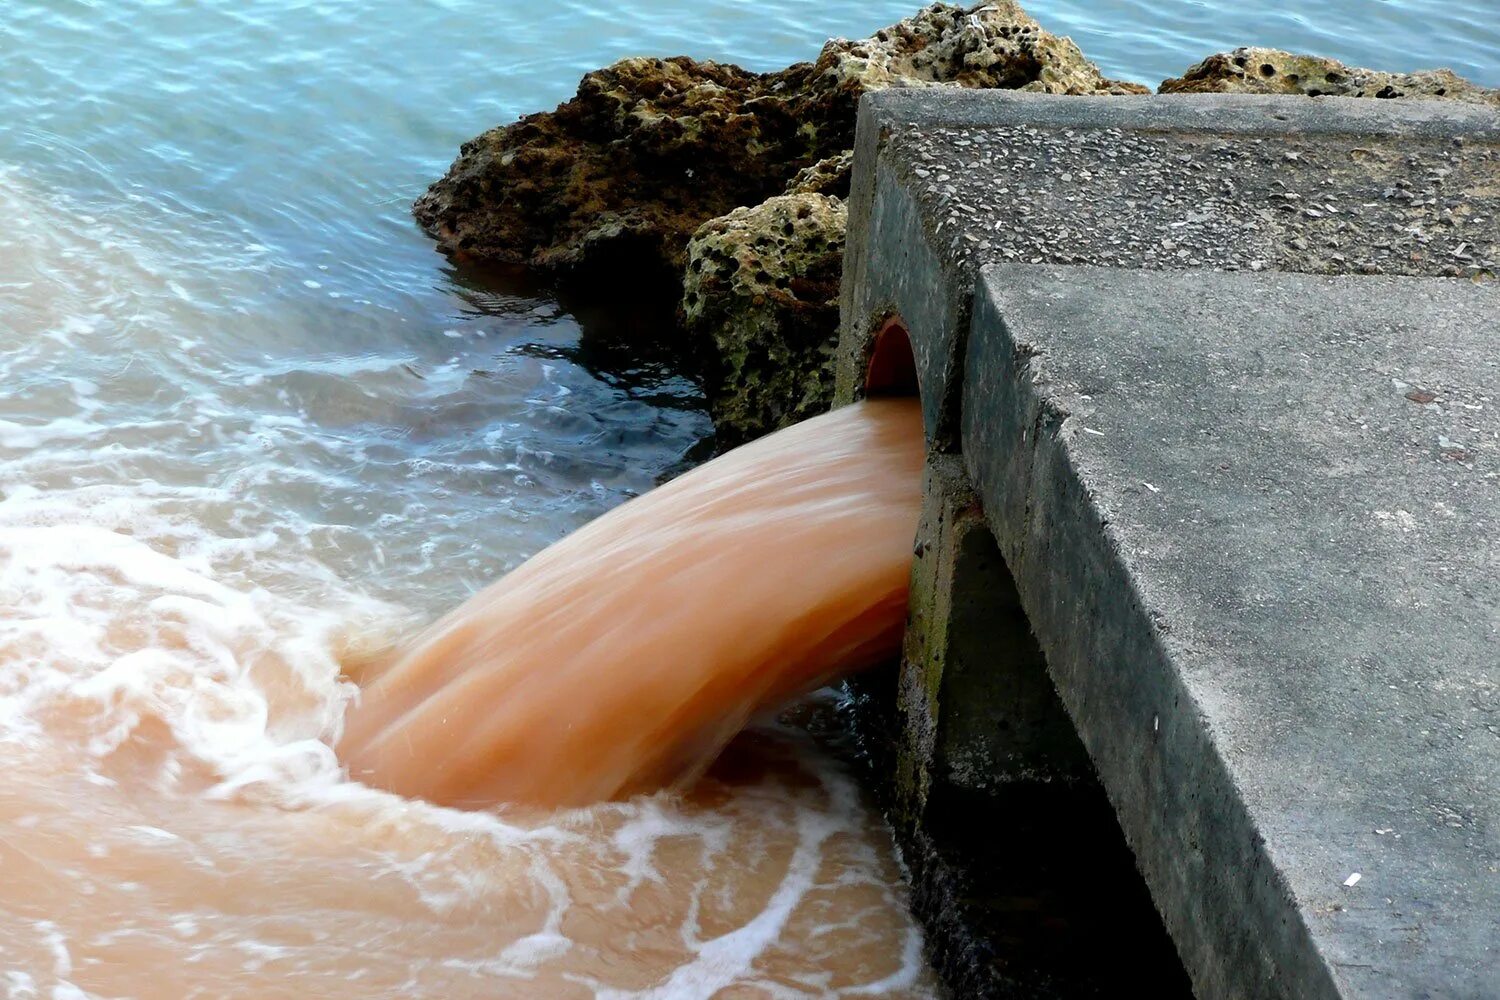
(1022, 546)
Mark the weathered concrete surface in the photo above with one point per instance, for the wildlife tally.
(946, 182)
(1010, 846)
(973, 722)
(969, 721)
(1238, 806)
(1267, 578)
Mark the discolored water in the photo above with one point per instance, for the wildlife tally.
(250, 425)
(759, 576)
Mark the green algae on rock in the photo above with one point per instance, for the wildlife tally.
(1272, 71)
(830, 175)
(763, 284)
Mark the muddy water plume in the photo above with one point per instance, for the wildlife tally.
(624, 657)
(213, 498)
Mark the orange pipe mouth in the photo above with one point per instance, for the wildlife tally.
(892, 370)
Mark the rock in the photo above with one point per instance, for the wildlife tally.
(763, 283)
(616, 180)
(608, 189)
(1271, 71)
(621, 175)
(994, 44)
(828, 176)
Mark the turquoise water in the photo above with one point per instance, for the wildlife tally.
(262, 154)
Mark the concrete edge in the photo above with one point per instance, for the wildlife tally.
(1226, 114)
(887, 239)
(1235, 920)
(888, 233)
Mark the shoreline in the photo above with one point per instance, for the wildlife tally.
(729, 194)
(716, 193)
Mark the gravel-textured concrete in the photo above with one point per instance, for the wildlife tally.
(1254, 521)
(947, 181)
(1224, 371)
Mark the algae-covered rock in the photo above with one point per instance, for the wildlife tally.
(1271, 71)
(763, 283)
(990, 45)
(617, 179)
(828, 176)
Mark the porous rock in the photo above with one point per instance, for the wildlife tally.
(830, 175)
(617, 179)
(763, 283)
(621, 175)
(989, 45)
(1272, 71)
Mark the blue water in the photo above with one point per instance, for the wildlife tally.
(309, 126)
(304, 129)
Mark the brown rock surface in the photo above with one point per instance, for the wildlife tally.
(649, 149)
(830, 175)
(763, 283)
(1272, 71)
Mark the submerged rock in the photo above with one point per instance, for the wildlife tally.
(649, 149)
(763, 283)
(1272, 71)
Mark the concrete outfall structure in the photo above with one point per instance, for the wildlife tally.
(1211, 388)
(610, 194)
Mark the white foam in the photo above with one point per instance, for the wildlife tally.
(139, 626)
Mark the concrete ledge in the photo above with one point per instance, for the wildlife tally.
(1253, 519)
(947, 181)
(1222, 370)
